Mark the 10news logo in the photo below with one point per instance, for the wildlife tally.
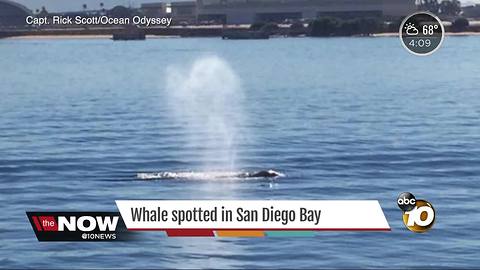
(418, 215)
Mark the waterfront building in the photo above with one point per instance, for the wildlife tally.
(471, 11)
(184, 12)
(250, 11)
(153, 10)
(12, 15)
(120, 12)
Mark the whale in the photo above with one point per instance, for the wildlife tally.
(264, 174)
(208, 175)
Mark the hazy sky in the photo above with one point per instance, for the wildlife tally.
(72, 5)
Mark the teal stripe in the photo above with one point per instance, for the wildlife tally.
(290, 233)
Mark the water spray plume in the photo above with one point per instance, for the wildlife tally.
(207, 98)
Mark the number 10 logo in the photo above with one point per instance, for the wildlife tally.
(418, 215)
(421, 218)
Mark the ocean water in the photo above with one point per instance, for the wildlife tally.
(343, 118)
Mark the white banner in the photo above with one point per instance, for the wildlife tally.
(361, 215)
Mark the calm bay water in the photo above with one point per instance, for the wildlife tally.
(344, 118)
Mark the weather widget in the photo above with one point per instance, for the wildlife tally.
(422, 33)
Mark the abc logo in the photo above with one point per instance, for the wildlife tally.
(418, 215)
(406, 201)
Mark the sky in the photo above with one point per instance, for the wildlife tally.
(74, 5)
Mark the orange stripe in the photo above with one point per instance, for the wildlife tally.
(240, 233)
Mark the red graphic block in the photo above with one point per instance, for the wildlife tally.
(37, 223)
(190, 233)
(48, 223)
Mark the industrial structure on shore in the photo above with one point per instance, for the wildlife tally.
(239, 11)
(250, 11)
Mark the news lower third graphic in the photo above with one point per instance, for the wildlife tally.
(252, 218)
(418, 215)
(228, 218)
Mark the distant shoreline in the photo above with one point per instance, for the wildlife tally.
(43, 37)
(105, 36)
(446, 34)
(342, 28)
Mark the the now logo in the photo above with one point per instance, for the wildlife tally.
(88, 223)
(78, 226)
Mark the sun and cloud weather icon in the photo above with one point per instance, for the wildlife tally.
(411, 30)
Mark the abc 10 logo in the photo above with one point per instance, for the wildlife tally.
(418, 215)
